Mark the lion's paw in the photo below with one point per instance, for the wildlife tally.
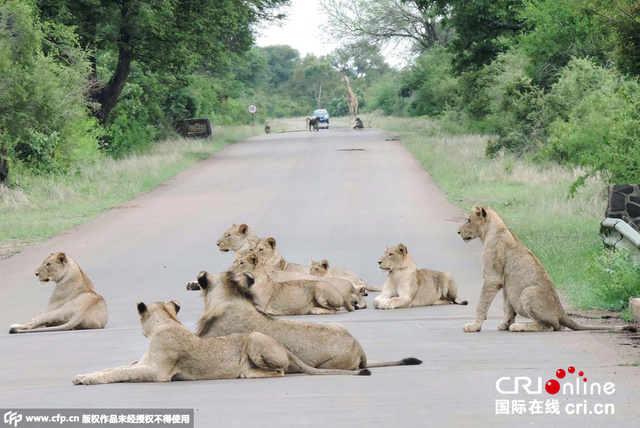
(81, 380)
(503, 326)
(472, 327)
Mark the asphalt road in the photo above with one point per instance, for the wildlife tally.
(337, 194)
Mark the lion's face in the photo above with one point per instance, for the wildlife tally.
(393, 257)
(155, 315)
(245, 264)
(266, 251)
(233, 238)
(53, 268)
(475, 225)
(319, 268)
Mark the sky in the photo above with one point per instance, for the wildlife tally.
(300, 30)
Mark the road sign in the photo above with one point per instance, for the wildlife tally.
(252, 108)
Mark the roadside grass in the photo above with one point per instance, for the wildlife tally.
(562, 231)
(40, 206)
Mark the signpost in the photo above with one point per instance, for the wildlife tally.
(252, 109)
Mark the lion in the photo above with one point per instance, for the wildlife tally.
(526, 287)
(230, 308)
(236, 238)
(297, 296)
(272, 260)
(406, 286)
(175, 353)
(74, 303)
(321, 269)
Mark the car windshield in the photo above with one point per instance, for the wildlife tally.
(319, 112)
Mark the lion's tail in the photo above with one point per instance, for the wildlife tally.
(566, 321)
(404, 362)
(300, 366)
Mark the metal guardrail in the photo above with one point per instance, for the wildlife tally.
(617, 233)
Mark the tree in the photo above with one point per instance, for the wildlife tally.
(168, 35)
(483, 28)
(382, 22)
(313, 79)
(43, 117)
(282, 60)
(359, 59)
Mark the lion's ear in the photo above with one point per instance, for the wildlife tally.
(142, 308)
(402, 249)
(202, 279)
(271, 242)
(175, 304)
(484, 213)
(243, 228)
(325, 264)
(62, 258)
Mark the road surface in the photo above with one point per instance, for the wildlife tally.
(337, 194)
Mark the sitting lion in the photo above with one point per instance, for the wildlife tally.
(236, 238)
(74, 303)
(298, 296)
(406, 286)
(175, 353)
(230, 308)
(272, 260)
(509, 265)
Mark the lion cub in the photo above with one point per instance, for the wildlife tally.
(293, 297)
(508, 265)
(74, 303)
(175, 353)
(406, 286)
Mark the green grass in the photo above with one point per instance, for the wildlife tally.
(41, 206)
(534, 200)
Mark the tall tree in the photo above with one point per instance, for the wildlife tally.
(381, 22)
(167, 35)
(484, 28)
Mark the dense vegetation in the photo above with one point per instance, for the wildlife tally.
(551, 80)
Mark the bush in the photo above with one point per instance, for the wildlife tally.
(615, 278)
(44, 118)
(597, 121)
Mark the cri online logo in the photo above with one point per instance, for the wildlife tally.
(513, 385)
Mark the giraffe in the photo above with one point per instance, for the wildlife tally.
(352, 100)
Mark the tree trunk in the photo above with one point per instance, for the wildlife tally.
(107, 96)
(4, 168)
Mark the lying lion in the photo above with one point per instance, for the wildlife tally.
(230, 308)
(236, 238)
(74, 303)
(508, 265)
(321, 269)
(298, 296)
(175, 353)
(272, 260)
(406, 286)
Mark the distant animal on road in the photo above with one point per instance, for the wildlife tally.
(312, 123)
(359, 124)
(74, 303)
(526, 287)
(175, 353)
(406, 286)
(267, 128)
